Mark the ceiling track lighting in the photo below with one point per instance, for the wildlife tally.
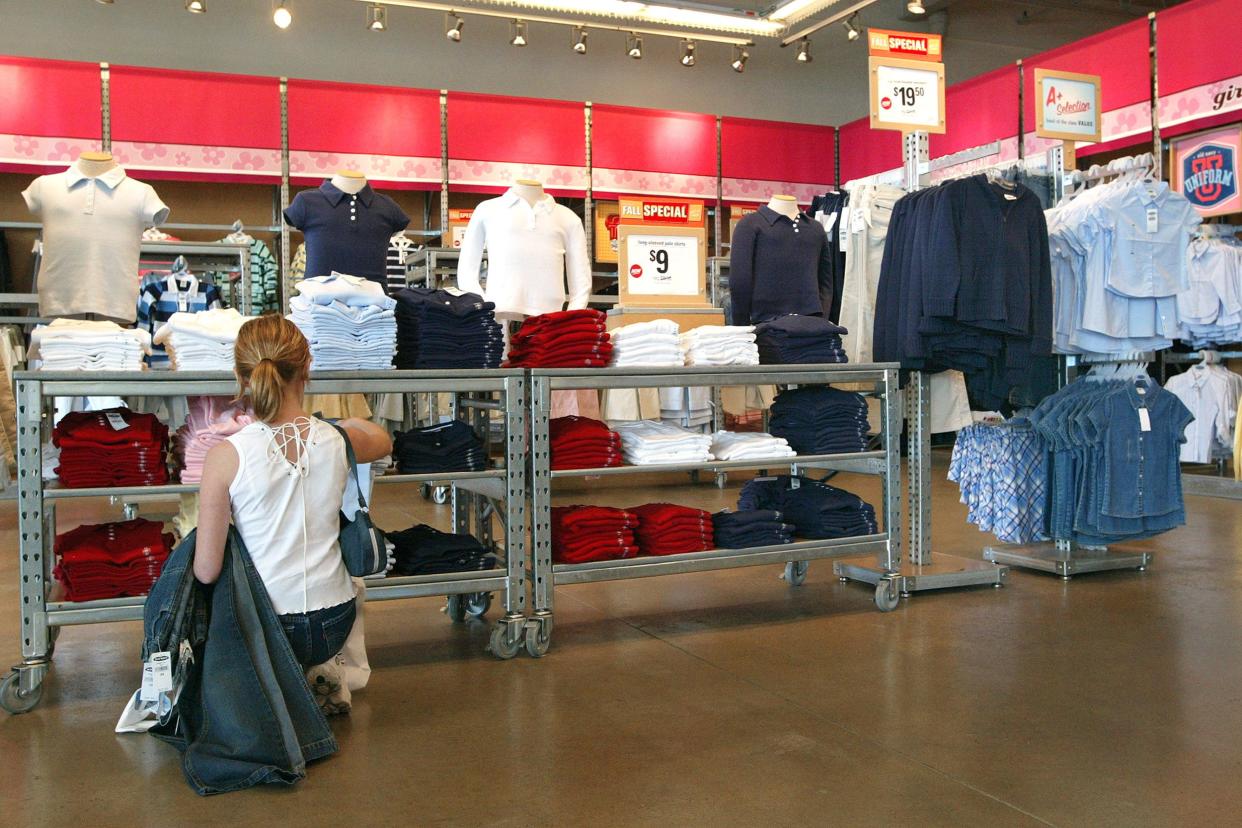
(852, 32)
(634, 46)
(453, 26)
(740, 56)
(916, 7)
(377, 18)
(517, 33)
(804, 51)
(282, 17)
(687, 53)
(104, 2)
(196, 6)
(580, 40)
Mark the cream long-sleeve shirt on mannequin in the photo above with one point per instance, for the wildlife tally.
(532, 253)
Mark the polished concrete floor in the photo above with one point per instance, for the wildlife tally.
(722, 699)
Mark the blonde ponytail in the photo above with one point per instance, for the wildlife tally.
(270, 354)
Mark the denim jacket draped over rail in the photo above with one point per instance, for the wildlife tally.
(245, 715)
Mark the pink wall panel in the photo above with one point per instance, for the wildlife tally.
(979, 111)
(774, 151)
(1197, 43)
(650, 140)
(163, 106)
(53, 98)
(866, 151)
(382, 120)
(527, 130)
(1119, 56)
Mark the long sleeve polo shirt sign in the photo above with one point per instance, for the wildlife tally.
(779, 266)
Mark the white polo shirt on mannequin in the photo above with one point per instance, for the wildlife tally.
(92, 234)
(532, 253)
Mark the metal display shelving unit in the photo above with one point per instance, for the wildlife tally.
(476, 495)
(887, 463)
(208, 256)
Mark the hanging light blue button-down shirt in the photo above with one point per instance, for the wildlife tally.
(1150, 230)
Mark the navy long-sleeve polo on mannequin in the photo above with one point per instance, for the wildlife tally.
(779, 266)
(346, 233)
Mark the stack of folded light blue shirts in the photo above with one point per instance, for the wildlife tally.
(755, 527)
(799, 340)
(441, 330)
(346, 337)
(820, 420)
(815, 509)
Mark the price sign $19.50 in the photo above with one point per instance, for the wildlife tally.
(909, 96)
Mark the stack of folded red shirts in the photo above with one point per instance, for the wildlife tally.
(666, 529)
(564, 339)
(583, 443)
(592, 533)
(114, 447)
(111, 560)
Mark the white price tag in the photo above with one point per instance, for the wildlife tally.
(183, 302)
(1153, 219)
(117, 421)
(156, 676)
(908, 95)
(1144, 420)
(662, 265)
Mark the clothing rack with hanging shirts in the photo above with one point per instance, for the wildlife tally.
(1219, 485)
(204, 257)
(478, 497)
(920, 571)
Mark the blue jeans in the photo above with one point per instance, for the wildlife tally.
(318, 635)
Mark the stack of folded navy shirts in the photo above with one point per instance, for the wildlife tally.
(799, 340)
(755, 527)
(425, 550)
(592, 533)
(447, 447)
(668, 529)
(820, 420)
(583, 443)
(815, 509)
(438, 330)
(564, 339)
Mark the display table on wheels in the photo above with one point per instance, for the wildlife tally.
(499, 489)
(886, 545)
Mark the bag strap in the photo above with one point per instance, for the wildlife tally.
(353, 463)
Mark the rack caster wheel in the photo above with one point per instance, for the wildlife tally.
(13, 700)
(440, 495)
(722, 480)
(886, 595)
(538, 639)
(456, 609)
(478, 603)
(795, 572)
(500, 645)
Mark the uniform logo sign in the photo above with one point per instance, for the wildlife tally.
(1209, 175)
(1205, 170)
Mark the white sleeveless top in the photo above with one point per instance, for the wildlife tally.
(288, 512)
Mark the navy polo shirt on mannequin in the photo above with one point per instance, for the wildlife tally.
(346, 233)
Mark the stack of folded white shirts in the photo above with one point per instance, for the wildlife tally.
(79, 345)
(687, 407)
(645, 443)
(750, 445)
(720, 345)
(348, 321)
(650, 344)
(201, 341)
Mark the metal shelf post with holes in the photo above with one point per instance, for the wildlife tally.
(886, 462)
(477, 496)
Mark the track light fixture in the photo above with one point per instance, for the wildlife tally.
(517, 33)
(740, 56)
(687, 53)
(196, 6)
(580, 40)
(852, 32)
(453, 26)
(104, 2)
(804, 51)
(377, 18)
(916, 7)
(282, 17)
(634, 46)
